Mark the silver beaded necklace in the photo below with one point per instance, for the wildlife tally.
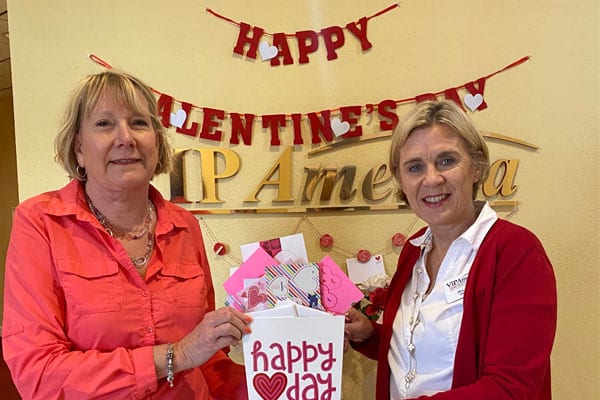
(139, 261)
(412, 324)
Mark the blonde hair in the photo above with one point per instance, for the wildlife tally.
(130, 92)
(451, 115)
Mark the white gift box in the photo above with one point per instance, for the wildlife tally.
(294, 353)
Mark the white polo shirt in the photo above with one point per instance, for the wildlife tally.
(429, 325)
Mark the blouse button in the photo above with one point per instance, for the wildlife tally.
(150, 329)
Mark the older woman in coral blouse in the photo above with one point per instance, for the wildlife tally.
(108, 292)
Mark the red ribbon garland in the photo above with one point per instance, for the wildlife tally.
(369, 107)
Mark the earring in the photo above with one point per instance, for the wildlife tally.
(81, 172)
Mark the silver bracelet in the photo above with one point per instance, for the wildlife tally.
(170, 371)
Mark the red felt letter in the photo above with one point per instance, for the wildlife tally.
(334, 39)
(479, 89)
(296, 121)
(164, 105)
(212, 119)
(283, 50)
(360, 32)
(193, 129)
(308, 42)
(320, 126)
(452, 94)
(386, 110)
(274, 121)
(350, 114)
(240, 128)
(243, 40)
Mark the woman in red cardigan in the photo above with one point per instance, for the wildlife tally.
(471, 310)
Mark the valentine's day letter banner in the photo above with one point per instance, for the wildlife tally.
(294, 353)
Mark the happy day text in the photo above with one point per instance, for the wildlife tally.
(292, 358)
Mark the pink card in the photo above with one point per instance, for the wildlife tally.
(338, 293)
(253, 267)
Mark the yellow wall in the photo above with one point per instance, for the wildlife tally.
(551, 101)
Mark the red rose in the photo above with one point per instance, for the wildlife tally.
(378, 296)
(371, 310)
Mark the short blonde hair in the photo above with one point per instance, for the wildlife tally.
(447, 113)
(130, 92)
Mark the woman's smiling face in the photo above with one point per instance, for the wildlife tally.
(117, 146)
(436, 174)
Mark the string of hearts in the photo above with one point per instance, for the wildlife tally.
(250, 40)
(322, 123)
(326, 241)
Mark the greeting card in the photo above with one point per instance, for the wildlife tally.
(359, 271)
(338, 292)
(297, 282)
(286, 249)
(237, 284)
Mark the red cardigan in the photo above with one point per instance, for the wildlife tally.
(508, 325)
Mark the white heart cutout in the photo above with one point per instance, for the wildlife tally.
(307, 278)
(267, 51)
(177, 119)
(339, 128)
(473, 102)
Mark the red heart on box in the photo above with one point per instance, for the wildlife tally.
(270, 388)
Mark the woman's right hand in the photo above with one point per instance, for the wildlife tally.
(218, 329)
(357, 327)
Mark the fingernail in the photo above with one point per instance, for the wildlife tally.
(247, 329)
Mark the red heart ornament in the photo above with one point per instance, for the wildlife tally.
(270, 388)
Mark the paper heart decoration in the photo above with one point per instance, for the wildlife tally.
(339, 127)
(267, 51)
(332, 281)
(307, 279)
(473, 102)
(255, 297)
(279, 287)
(270, 388)
(177, 119)
(328, 298)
